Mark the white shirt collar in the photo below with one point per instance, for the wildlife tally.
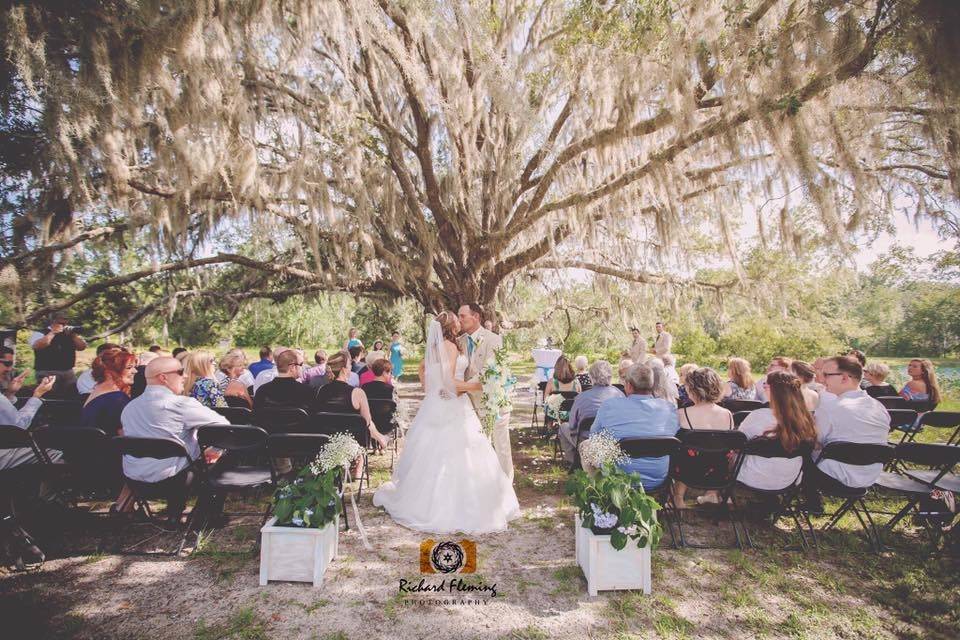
(475, 334)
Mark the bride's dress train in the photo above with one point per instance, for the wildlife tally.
(448, 478)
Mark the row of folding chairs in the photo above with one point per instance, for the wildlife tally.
(90, 456)
(918, 469)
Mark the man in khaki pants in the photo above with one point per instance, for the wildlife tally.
(479, 345)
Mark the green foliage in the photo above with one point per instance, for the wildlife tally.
(312, 500)
(695, 344)
(375, 322)
(758, 340)
(612, 490)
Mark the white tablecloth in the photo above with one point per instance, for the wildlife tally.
(544, 359)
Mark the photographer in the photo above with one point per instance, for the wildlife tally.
(55, 354)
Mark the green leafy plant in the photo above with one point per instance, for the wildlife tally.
(311, 500)
(613, 501)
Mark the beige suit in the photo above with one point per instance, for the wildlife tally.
(662, 344)
(482, 354)
(638, 350)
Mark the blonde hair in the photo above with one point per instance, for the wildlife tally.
(738, 370)
(199, 364)
(232, 360)
(685, 371)
(580, 363)
(878, 370)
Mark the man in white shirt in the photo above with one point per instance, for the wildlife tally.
(670, 369)
(162, 413)
(22, 418)
(663, 342)
(85, 381)
(853, 416)
(638, 348)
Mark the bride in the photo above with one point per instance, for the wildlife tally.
(448, 478)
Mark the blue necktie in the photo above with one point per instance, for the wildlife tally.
(469, 346)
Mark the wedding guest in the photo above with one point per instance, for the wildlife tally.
(804, 371)
(740, 384)
(876, 375)
(22, 417)
(583, 377)
(55, 354)
(638, 347)
(85, 381)
(639, 415)
(319, 370)
(339, 396)
(663, 342)
(586, 405)
(705, 390)
(243, 375)
(777, 363)
(163, 412)
(140, 378)
(356, 359)
(683, 398)
(113, 373)
(564, 379)
(266, 375)
(381, 385)
(234, 385)
(488, 325)
(285, 390)
(396, 354)
(923, 387)
(177, 351)
(199, 380)
(265, 362)
(155, 348)
(787, 420)
(180, 357)
(852, 417)
(377, 345)
(670, 369)
(860, 357)
(622, 369)
(352, 339)
(662, 386)
(366, 374)
(7, 354)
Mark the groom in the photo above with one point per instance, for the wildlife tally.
(479, 344)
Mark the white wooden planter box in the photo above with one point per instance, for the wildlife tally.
(607, 569)
(297, 554)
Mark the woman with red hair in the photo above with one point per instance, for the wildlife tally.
(113, 371)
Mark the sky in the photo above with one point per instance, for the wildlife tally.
(923, 239)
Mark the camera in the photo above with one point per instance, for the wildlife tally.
(77, 329)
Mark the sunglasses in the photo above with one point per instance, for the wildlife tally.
(6, 363)
(838, 373)
(179, 372)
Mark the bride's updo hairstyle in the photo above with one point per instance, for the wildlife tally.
(448, 325)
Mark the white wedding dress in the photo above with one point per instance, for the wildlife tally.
(448, 478)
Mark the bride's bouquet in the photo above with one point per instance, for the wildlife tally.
(498, 384)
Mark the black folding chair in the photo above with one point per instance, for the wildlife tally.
(904, 420)
(280, 420)
(351, 423)
(58, 413)
(788, 498)
(940, 420)
(893, 402)
(237, 415)
(581, 433)
(89, 463)
(16, 482)
(636, 448)
(915, 484)
(384, 413)
(565, 405)
(226, 477)
(735, 406)
(236, 401)
(739, 417)
(857, 454)
(709, 442)
(305, 446)
(537, 403)
(143, 491)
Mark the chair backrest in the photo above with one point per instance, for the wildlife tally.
(236, 415)
(857, 453)
(584, 425)
(893, 402)
(941, 456)
(649, 447)
(568, 395)
(382, 409)
(231, 437)
(149, 447)
(735, 406)
(13, 437)
(331, 423)
(902, 417)
(236, 401)
(56, 413)
(566, 404)
(541, 386)
(772, 448)
(76, 443)
(277, 420)
(941, 419)
(739, 417)
(292, 445)
(710, 441)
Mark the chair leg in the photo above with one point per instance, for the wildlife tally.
(900, 515)
(839, 514)
(873, 527)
